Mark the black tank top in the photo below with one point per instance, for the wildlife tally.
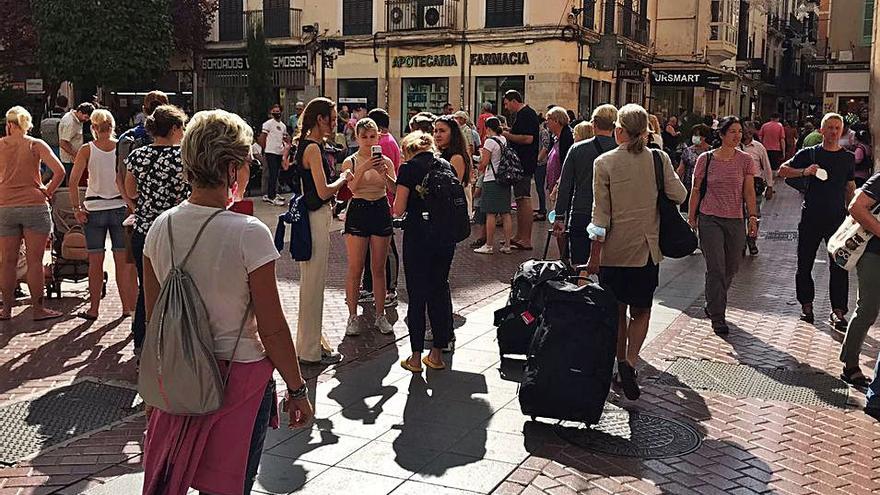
(310, 192)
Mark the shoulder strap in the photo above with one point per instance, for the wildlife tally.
(658, 171)
(704, 186)
(244, 320)
(195, 241)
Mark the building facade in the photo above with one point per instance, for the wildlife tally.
(844, 55)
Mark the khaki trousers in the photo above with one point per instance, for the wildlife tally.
(313, 278)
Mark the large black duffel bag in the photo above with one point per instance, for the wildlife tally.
(518, 320)
(571, 357)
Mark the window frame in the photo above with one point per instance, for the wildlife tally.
(506, 13)
(350, 7)
(868, 23)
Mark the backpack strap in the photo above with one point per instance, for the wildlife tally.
(244, 319)
(704, 186)
(195, 241)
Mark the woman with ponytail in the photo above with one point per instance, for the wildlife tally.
(317, 122)
(102, 211)
(24, 209)
(626, 248)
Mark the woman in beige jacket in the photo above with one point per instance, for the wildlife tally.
(627, 252)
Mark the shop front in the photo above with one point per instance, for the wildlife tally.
(684, 91)
(847, 92)
(223, 80)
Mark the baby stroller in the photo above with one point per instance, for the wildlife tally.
(74, 267)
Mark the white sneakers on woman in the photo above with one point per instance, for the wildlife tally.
(487, 249)
(352, 329)
(384, 325)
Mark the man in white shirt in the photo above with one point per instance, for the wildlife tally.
(70, 134)
(762, 160)
(272, 140)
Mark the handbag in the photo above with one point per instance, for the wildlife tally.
(848, 244)
(802, 183)
(677, 239)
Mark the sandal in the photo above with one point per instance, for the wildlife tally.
(855, 377)
(405, 364)
(432, 364)
(86, 316)
(519, 247)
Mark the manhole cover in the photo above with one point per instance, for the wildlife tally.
(30, 426)
(633, 434)
(780, 235)
(814, 388)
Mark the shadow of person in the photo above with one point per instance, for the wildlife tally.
(285, 473)
(363, 380)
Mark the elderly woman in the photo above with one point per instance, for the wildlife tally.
(102, 212)
(583, 131)
(557, 123)
(701, 134)
(724, 180)
(155, 182)
(626, 251)
(24, 209)
(219, 453)
(426, 262)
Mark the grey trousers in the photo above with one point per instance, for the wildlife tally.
(722, 241)
(867, 309)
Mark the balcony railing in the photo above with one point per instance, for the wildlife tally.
(415, 15)
(632, 25)
(276, 23)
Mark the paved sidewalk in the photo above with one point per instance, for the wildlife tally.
(382, 430)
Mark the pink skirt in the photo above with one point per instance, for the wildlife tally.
(208, 453)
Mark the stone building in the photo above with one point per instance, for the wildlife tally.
(844, 53)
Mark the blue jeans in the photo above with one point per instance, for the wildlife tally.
(102, 222)
(540, 183)
(258, 437)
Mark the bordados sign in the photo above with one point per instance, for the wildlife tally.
(240, 62)
(688, 78)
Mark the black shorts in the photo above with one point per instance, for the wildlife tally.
(579, 245)
(633, 286)
(368, 218)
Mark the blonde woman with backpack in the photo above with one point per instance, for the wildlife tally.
(232, 267)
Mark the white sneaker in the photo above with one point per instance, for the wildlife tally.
(484, 249)
(384, 325)
(505, 250)
(279, 201)
(352, 329)
(266, 199)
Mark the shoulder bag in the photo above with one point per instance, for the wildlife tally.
(848, 244)
(802, 183)
(677, 239)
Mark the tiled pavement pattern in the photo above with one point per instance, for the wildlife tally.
(460, 431)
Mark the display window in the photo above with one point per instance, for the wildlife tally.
(492, 89)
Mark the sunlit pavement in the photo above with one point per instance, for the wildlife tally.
(382, 430)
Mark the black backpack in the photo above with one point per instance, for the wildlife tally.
(510, 170)
(571, 357)
(445, 203)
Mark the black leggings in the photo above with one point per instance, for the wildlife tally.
(426, 267)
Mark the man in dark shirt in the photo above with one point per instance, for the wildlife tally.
(868, 305)
(830, 169)
(524, 137)
(574, 204)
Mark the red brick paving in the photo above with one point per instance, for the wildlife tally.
(751, 445)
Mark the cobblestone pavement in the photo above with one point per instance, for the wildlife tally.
(381, 430)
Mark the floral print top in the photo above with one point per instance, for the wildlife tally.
(158, 172)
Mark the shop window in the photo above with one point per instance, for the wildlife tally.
(868, 23)
(504, 13)
(357, 17)
(601, 93)
(585, 95)
(492, 89)
(589, 14)
(231, 20)
(423, 95)
(358, 93)
(633, 93)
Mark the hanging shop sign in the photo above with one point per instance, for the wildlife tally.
(501, 58)
(294, 60)
(688, 78)
(628, 71)
(424, 61)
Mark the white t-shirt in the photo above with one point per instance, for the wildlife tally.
(232, 247)
(494, 150)
(70, 129)
(275, 131)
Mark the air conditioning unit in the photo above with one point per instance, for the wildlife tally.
(435, 16)
(403, 16)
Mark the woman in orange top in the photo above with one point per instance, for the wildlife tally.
(24, 209)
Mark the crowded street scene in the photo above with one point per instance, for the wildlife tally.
(439, 247)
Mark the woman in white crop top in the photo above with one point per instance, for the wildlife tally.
(102, 211)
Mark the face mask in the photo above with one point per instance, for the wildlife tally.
(276, 116)
(696, 139)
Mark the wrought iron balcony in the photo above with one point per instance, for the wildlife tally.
(276, 22)
(416, 15)
(632, 25)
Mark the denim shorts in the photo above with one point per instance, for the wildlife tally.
(102, 221)
(14, 220)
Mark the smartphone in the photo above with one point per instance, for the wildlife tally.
(376, 151)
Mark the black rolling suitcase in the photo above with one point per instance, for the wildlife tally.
(518, 320)
(571, 357)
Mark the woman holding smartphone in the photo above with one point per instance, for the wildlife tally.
(368, 222)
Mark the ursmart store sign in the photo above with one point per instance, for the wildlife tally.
(690, 78)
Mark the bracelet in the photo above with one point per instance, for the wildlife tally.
(299, 393)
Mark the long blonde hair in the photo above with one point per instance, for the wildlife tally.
(102, 121)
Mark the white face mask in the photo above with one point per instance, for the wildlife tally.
(696, 139)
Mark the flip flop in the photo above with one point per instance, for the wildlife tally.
(51, 315)
(432, 364)
(519, 247)
(405, 364)
(86, 316)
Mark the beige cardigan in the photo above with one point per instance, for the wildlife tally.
(625, 204)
